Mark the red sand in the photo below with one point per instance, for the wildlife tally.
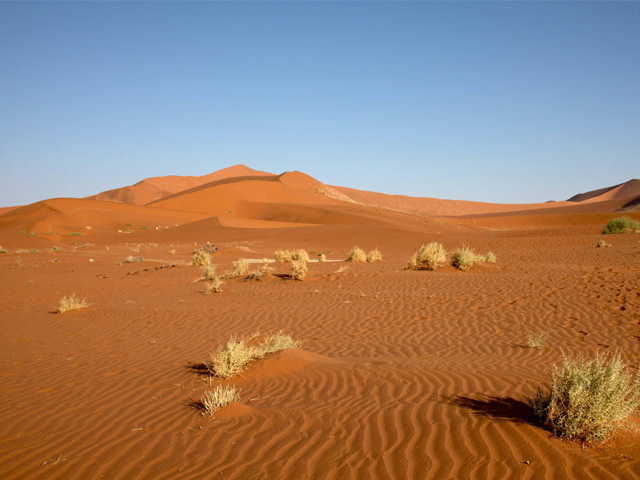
(402, 374)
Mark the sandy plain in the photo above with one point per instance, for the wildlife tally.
(402, 374)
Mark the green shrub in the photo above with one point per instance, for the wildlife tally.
(76, 234)
(588, 400)
(428, 257)
(621, 225)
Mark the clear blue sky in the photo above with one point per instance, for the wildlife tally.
(499, 102)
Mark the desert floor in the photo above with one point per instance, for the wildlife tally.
(402, 374)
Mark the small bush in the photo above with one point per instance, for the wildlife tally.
(490, 257)
(300, 255)
(209, 272)
(282, 256)
(588, 400)
(214, 285)
(299, 269)
(621, 225)
(602, 244)
(536, 341)
(357, 255)
(231, 359)
(374, 256)
(463, 258)
(219, 397)
(239, 268)
(201, 258)
(256, 275)
(428, 257)
(323, 258)
(70, 303)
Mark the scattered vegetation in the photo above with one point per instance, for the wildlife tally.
(76, 234)
(238, 269)
(374, 256)
(2, 250)
(55, 248)
(323, 258)
(231, 359)
(463, 258)
(428, 257)
(261, 273)
(214, 285)
(490, 257)
(299, 269)
(285, 256)
(621, 225)
(22, 232)
(602, 244)
(537, 341)
(588, 400)
(132, 259)
(70, 303)
(219, 397)
(209, 272)
(357, 255)
(201, 258)
(31, 234)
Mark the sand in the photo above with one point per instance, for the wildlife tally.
(402, 374)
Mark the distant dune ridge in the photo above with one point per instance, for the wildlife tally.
(242, 197)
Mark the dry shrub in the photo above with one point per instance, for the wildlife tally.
(256, 275)
(374, 256)
(201, 258)
(231, 359)
(266, 268)
(588, 400)
(428, 257)
(357, 255)
(602, 244)
(70, 303)
(282, 256)
(2, 250)
(300, 255)
(239, 268)
(463, 258)
(299, 269)
(490, 257)
(537, 341)
(209, 272)
(214, 285)
(219, 397)
(323, 258)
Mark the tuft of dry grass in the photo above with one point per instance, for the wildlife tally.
(537, 341)
(70, 303)
(282, 256)
(2, 250)
(229, 360)
(428, 257)
(300, 255)
(209, 272)
(588, 400)
(239, 268)
(357, 255)
(201, 259)
(299, 269)
(219, 397)
(602, 244)
(374, 256)
(257, 276)
(490, 257)
(463, 258)
(214, 285)
(323, 258)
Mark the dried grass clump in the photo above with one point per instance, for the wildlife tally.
(219, 397)
(323, 258)
(209, 272)
(602, 244)
(428, 257)
(300, 255)
(214, 285)
(537, 341)
(621, 225)
(231, 359)
(588, 400)
(257, 276)
(463, 258)
(70, 303)
(490, 257)
(201, 258)
(2, 250)
(357, 255)
(374, 256)
(282, 256)
(239, 268)
(299, 269)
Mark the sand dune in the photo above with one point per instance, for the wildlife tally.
(623, 190)
(401, 375)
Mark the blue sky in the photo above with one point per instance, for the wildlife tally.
(499, 102)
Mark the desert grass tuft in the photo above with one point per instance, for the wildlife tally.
(374, 256)
(70, 303)
(490, 257)
(231, 359)
(299, 269)
(357, 255)
(201, 258)
(2, 250)
(621, 225)
(588, 399)
(219, 397)
(282, 256)
(428, 257)
(214, 285)
(463, 258)
(256, 276)
(537, 341)
(323, 258)
(209, 272)
(602, 244)
(238, 269)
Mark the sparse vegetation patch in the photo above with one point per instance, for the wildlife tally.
(588, 399)
(463, 258)
(201, 258)
(219, 397)
(374, 256)
(603, 244)
(239, 268)
(357, 255)
(621, 225)
(428, 257)
(299, 269)
(70, 303)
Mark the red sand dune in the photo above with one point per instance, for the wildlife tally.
(401, 375)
